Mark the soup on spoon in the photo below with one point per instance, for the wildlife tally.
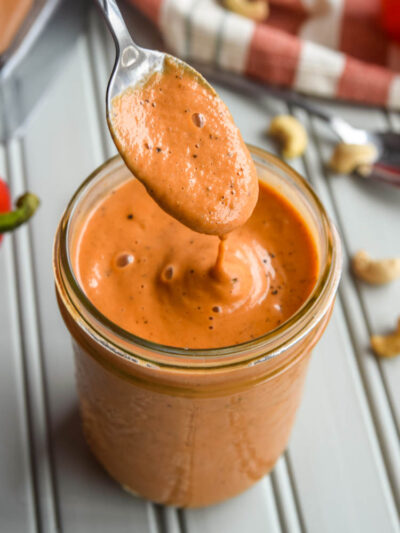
(178, 138)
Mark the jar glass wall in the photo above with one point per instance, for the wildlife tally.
(191, 427)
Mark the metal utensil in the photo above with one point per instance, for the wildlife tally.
(133, 64)
(387, 166)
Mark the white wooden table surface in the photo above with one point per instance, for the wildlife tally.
(341, 472)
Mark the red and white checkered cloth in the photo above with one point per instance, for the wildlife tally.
(329, 48)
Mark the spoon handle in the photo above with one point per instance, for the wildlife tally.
(119, 31)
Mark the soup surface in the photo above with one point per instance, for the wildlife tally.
(161, 281)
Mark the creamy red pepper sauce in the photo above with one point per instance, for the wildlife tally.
(158, 279)
(178, 137)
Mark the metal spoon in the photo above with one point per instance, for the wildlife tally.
(133, 64)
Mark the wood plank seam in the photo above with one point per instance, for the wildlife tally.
(19, 351)
(289, 511)
(296, 523)
(33, 357)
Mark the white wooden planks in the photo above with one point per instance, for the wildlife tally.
(254, 511)
(16, 468)
(351, 201)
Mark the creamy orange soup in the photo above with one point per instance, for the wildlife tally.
(158, 279)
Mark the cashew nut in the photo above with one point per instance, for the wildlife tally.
(256, 9)
(348, 158)
(291, 133)
(375, 271)
(387, 345)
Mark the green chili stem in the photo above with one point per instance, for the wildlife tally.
(26, 205)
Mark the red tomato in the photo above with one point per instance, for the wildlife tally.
(5, 200)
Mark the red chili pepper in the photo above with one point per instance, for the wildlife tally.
(5, 200)
(25, 205)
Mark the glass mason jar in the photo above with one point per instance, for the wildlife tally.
(191, 427)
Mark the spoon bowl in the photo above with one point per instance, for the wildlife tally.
(134, 64)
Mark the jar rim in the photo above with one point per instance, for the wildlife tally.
(142, 351)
